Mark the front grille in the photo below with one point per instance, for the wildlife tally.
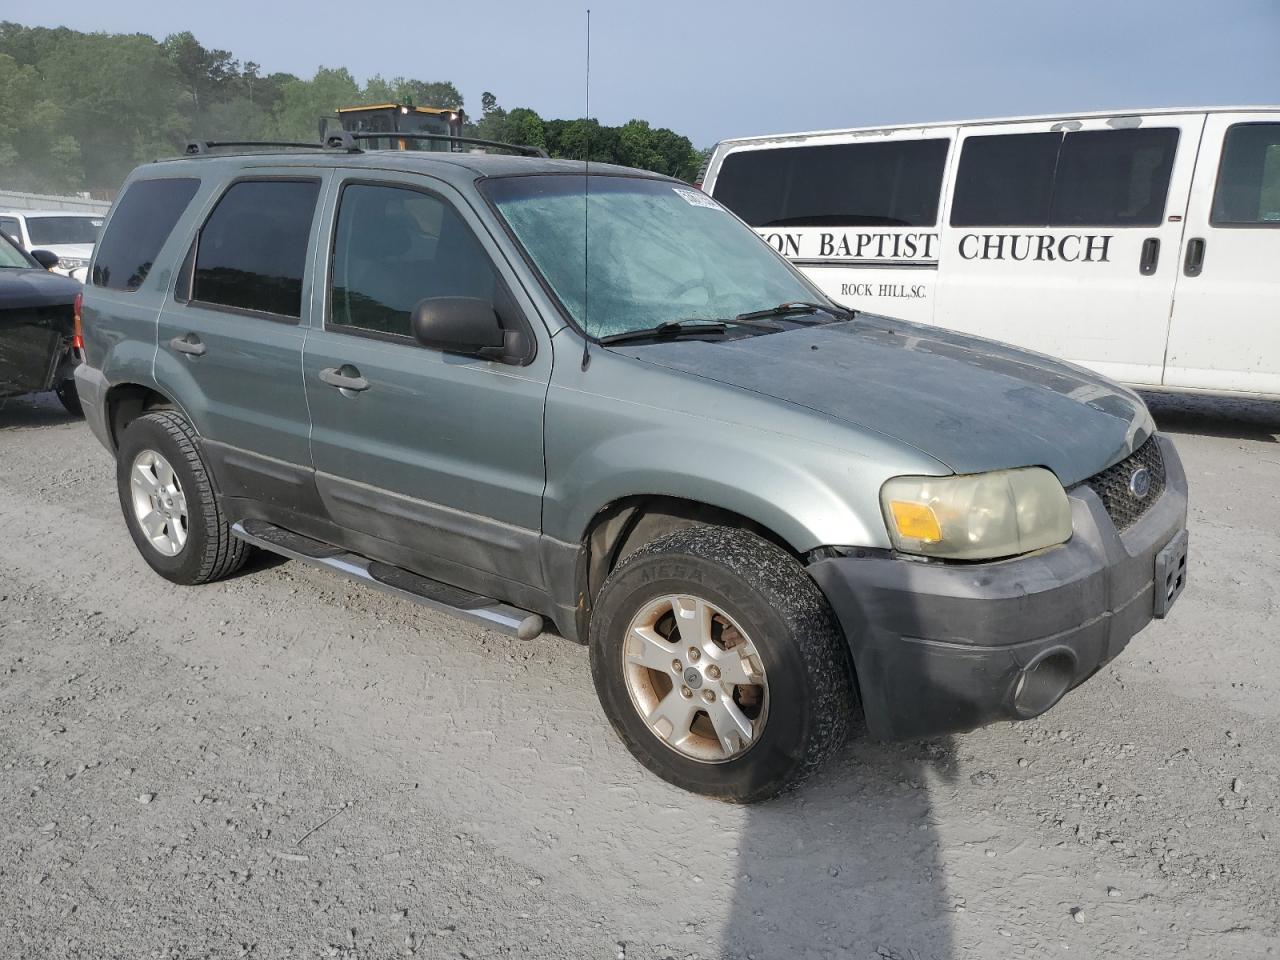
(1112, 484)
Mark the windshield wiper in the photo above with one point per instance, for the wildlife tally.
(795, 307)
(671, 329)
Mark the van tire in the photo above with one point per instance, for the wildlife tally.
(765, 592)
(210, 552)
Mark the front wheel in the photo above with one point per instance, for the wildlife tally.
(719, 664)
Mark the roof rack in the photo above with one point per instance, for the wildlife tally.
(348, 140)
(197, 147)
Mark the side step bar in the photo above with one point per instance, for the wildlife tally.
(393, 580)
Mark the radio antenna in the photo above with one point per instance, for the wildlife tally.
(586, 212)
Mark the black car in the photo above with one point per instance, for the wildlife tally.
(39, 328)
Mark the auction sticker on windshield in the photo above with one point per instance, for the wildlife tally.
(697, 198)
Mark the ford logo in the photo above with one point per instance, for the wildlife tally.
(1140, 482)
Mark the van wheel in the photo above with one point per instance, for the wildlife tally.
(169, 505)
(719, 664)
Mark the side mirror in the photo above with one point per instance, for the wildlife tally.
(46, 258)
(463, 325)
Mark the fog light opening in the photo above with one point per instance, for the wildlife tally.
(1042, 684)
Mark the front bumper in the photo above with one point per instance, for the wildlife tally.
(945, 647)
(92, 387)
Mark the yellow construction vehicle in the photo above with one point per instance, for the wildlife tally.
(393, 118)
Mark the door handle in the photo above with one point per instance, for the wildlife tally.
(345, 377)
(1150, 256)
(189, 344)
(1195, 257)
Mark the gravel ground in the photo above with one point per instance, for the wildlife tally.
(286, 765)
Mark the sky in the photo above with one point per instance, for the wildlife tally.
(720, 69)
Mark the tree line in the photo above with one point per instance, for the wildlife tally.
(79, 110)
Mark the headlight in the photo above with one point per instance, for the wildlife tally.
(981, 516)
(72, 263)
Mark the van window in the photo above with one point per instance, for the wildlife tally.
(143, 219)
(1248, 190)
(893, 183)
(1081, 178)
(1111, 178)
(1005, 180)
(394, 247)
(10, 228)
(253, 248)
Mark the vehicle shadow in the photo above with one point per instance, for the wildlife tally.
(33, 410)
(258, 561)
(1233, 417)
(848, 866)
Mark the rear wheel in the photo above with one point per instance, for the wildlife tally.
(719, 663)
(169, 504)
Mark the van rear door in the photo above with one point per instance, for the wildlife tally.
(856, 212)
(1063, 236)
(1225, 334)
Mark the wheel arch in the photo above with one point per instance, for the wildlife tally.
(125, 402)
(624, 525)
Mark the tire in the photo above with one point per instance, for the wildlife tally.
(773, 607)
(70, 397)
(208, 550)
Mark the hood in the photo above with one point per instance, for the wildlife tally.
(24, 289)
(972, 404)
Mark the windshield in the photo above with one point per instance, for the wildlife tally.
(659, 251)
(11, 256)
(52, 230)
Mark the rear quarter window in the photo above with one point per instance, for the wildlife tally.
(143, 220)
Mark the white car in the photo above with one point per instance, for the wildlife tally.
(68, 234)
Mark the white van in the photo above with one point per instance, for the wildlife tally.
(1144, 244)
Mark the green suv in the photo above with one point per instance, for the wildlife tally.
(540, 396)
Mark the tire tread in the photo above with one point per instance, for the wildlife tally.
(792, 593)
(223, 552)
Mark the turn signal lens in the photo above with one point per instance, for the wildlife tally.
(916, 521)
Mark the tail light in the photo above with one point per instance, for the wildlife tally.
(77, 335)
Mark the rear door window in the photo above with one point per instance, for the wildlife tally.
(143, 220)
(1113, 178)
(1097, 178)
(1005, 180)
(1248, 189)
(892, 183)
(252, 251)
